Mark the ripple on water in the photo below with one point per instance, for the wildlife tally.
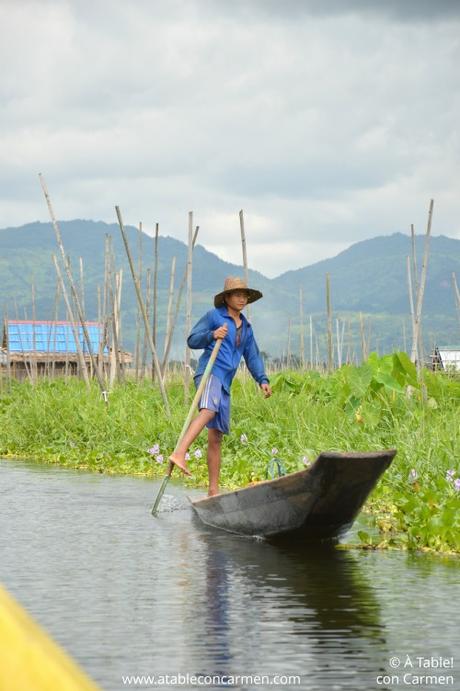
(122, 590)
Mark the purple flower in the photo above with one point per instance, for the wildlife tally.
(274, 451)
(450, 475)
(306, 460)
(154, 450)
(159, 458)
(413, 475)
(187, 456)
(198, 453)
(243, 439)
(457, 484)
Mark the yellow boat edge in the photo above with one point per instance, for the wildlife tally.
(30, 659)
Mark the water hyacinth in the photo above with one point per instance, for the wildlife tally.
(305, 460)
(244, 439)
(159, 458)
(450, 475)
(274, 451)
(198, 453)
(413, 475)
(154, 450)
(457, 485)
(187, 456)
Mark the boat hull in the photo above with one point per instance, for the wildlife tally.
(319, 502)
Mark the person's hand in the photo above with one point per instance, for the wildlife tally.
(221, 332)
(266, 389)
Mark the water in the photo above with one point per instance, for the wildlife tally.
(127, 594)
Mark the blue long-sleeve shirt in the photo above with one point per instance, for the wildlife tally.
(229, 355)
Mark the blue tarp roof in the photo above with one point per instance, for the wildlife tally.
(50, 337)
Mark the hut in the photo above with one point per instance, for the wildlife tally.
(49, 347)
(446, 358)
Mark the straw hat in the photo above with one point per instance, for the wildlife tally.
(236, 283)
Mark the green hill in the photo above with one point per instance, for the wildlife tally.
(368, 277)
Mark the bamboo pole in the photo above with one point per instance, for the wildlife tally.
(155, 286)
(187, 422)
(148, 290)
(81, 358)
(169, 314)
(302, 341)
(330, 354)
(188, 317)
(410, 288)
(74, 292)
(137, 351)
(311, 342)
(82, 286)
(144, 314)
(176, 311)
(417, 346)
(245, 255)
(414, 258)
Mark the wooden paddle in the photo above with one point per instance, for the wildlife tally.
(187, 422)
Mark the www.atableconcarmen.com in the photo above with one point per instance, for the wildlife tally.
(418, 671)
(230, 680)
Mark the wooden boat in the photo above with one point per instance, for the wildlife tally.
(319, 502)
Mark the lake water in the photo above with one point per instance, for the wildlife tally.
(127, 594)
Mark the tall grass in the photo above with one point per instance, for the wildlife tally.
(415, 505)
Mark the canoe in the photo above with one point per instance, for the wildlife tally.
(319, 502)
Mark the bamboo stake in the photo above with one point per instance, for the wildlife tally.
(176, 311)
(148, 290)
(155, 284)
(330, 355)
(417, 346)
(410, 288)
(144, 314)
(414, 258)
(74, 327)
(245, 256)
(302, 342)
(311, 342)
(138, 317)
(188, 318)
(169, 315)
(82, 287)
(73, 289)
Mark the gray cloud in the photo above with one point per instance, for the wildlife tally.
(334, 127)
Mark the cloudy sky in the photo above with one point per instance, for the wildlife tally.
(327, 121)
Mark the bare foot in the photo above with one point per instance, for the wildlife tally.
(213, 493)
(180, 462)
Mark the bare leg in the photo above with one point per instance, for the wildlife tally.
(214, 454)
(195, 427)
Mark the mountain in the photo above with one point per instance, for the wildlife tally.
(368, 277)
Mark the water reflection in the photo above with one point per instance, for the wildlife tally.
(270, 605)
(127, 594)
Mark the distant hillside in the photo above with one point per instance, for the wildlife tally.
(368, 277)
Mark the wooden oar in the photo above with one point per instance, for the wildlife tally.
(187, 422)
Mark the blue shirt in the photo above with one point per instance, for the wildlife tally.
(229, 355)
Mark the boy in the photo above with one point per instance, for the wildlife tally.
(227, 322)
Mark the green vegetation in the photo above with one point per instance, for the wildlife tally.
(379, 405)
